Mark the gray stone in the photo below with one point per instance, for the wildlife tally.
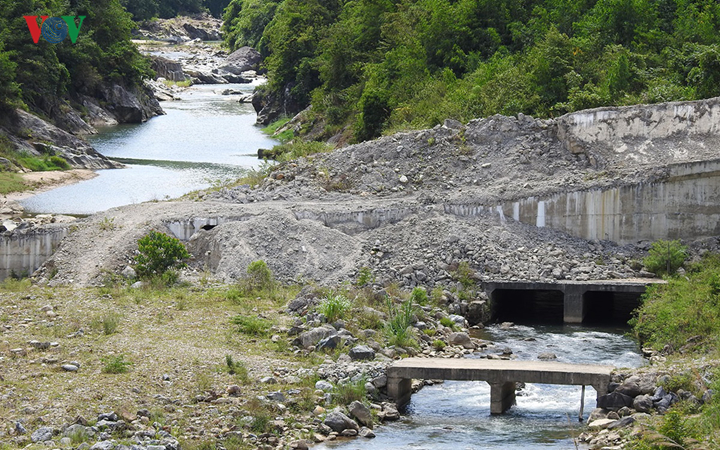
(69, 367)
(19, 428)
(268, 380)
(349, 432)
(622, 423)
(310, 338)
(329, 343)
(42, 434)
(366, 433)
(461, 338)
(547, 356)
(642, 403)
(103, 445)
(707, 396)
(276, 396)
(630, 387)
(129, 273)
(614, 401)
(340, 422)
(361, 413)
(361, 352)
(323, 386)
(380, 381)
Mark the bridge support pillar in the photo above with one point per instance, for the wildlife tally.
(574, 305)
(502, 396)
(399, 389)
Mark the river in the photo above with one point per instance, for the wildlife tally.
(204, 139)
(456, 414)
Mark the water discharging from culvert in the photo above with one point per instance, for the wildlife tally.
(456, 415)
(205, 138)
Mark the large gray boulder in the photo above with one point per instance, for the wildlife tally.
(362, 352)
(168, 69)
(42, 434)
(310, 338)
(339, 422)
(361, 413)
(130, 106)
(614, 401)
(642, 403)
(242, 60)
(461, 338)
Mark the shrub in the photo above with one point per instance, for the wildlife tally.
(665, 257)
(158, 253)
(399, 327)
(115, 364)
(237, 368)
(438, 344)
(346, 393)
(448, 322)
(419, 296)
(259, 277)
(334, 307)
(365, 276)
(465, 275)
(255, 326)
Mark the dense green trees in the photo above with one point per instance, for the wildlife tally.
(388, 64)
(38, 75)
(148, 9)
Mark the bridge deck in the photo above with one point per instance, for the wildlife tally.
(500, 374)
(497, 371)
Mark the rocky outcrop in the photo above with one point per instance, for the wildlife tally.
(270, 106)
(242, 60)
(34, 135)
(134, 105)
(182, 29)
(168, 69)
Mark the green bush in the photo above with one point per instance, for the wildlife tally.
(684, 308)
(419, 296)
(365, 276)
(115, 364)
(346, 393)
(665, 257)
(399, 328)
(254, 326)
(237, 368)
(438, 344)
(259, 277)
(334, 307)
(158, 253)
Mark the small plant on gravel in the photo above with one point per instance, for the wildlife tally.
(261, 414)
(419, 296)
(108, 323)
(438, 344)
(255, 326)
(259, 278)
(334, 307)
(158, 253)
(365, 277)
(115, 364)
(399, 328)
(107, 224)
(465, 275)
(346, 393)
(448, 322)
(237, 368)
(665, 257)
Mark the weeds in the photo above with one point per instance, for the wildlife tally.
(399, 328)
(349, 392)
(237, 368)
(365, 277)
(334, 307)
(108, 323)
(254, 326)
(115, 364)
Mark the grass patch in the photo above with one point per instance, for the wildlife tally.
(334, 307)
(254, 326)
(399, 328)
(349, 392)
(115, 364)
(11, 182)
(237, 368)
(108, 323)
(184, 83)
(683, 314)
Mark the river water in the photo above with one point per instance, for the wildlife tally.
(205, 138)
(456, 414)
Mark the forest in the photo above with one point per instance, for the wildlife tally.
(370, 67)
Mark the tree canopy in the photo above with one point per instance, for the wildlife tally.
(380, 65)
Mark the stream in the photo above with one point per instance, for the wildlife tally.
(204, 139)
(456, 414)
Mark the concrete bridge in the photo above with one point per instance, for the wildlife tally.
(568, 301)
(500, 374)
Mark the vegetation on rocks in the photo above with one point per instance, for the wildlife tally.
(377, 66)
(158, 253)
(665, 257)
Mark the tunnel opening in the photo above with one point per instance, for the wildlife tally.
(527, 306)
(610, 308)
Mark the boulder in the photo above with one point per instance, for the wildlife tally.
(330, 342)
(362, 352)
(310, 338)
(614, 401)
(547, 356)
(478, 312)
(242, 60)
(361, 413)
(339, 422)
(130, 106)
(461, 338)
(630, 387)
(642, 403)
(42, 434)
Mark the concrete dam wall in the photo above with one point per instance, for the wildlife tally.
(23, 251)
(685, 205)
